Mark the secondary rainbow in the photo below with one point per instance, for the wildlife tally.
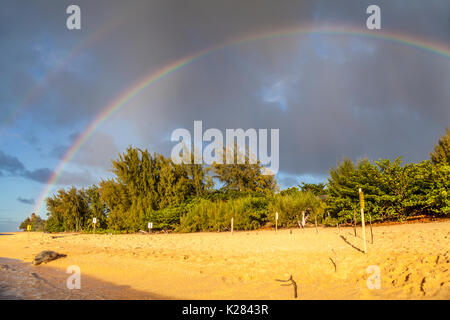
(122, 100)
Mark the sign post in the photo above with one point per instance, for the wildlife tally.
(276, 221)
(361, 203)
(150, 227)
(94, 221)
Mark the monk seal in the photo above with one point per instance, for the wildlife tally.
(46, 256)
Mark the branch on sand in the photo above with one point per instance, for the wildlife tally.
(293, 283)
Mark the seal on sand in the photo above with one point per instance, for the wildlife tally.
(46, 256)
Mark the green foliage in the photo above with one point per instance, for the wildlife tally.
(146, 188)
(392, 191)
(151, 188)
(68, 210)
(207, 215)
(37, 224)
(441, 153)
(290, 207)
(97, 208)
(244, 177)
(317, 189)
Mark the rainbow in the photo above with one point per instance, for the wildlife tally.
(123, 99)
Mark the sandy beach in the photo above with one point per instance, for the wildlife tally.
(413, 259)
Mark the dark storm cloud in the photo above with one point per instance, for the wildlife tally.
(354, 103)
(41, 175)
(14, 167)
(330, 96)
(26, 201)
(10, 164)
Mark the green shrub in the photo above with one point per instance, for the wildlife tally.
(206, 215)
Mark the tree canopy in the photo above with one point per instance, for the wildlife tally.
(192, 197)
(441, 153)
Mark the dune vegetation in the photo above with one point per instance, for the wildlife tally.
(192, 197)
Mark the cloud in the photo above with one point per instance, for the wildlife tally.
(10, 164)
(339, 94)
(41, 175)
(275, 93)
(25, 201)
(82, 178)
(96, 152)
(14, 167)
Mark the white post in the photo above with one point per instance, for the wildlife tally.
(303, 219)
(94, 221)
(232, 225)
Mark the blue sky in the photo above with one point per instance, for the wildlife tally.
(330, 96)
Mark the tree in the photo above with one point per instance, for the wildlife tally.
(441, 153)
(117, 203)
(245, 177)
(37, 224)
(317, 189)
(68, 210)
(97, 208)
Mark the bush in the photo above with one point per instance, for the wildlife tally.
(392, 191)
(249, 213)
(290, 206)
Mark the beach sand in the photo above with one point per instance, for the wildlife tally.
(413, 259)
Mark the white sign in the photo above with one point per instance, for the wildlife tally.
(150, 225)
(94, 220)
(276, 215)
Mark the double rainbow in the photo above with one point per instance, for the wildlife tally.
(125, 97)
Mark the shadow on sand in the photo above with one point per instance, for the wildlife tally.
(46, 282)
(350, 244)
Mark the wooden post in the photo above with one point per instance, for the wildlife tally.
(361, 202)
(276, 221)
(371, 232)
(232, 225)
(315, 218)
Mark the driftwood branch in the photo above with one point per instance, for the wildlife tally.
(334, 261)
(293, 283)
